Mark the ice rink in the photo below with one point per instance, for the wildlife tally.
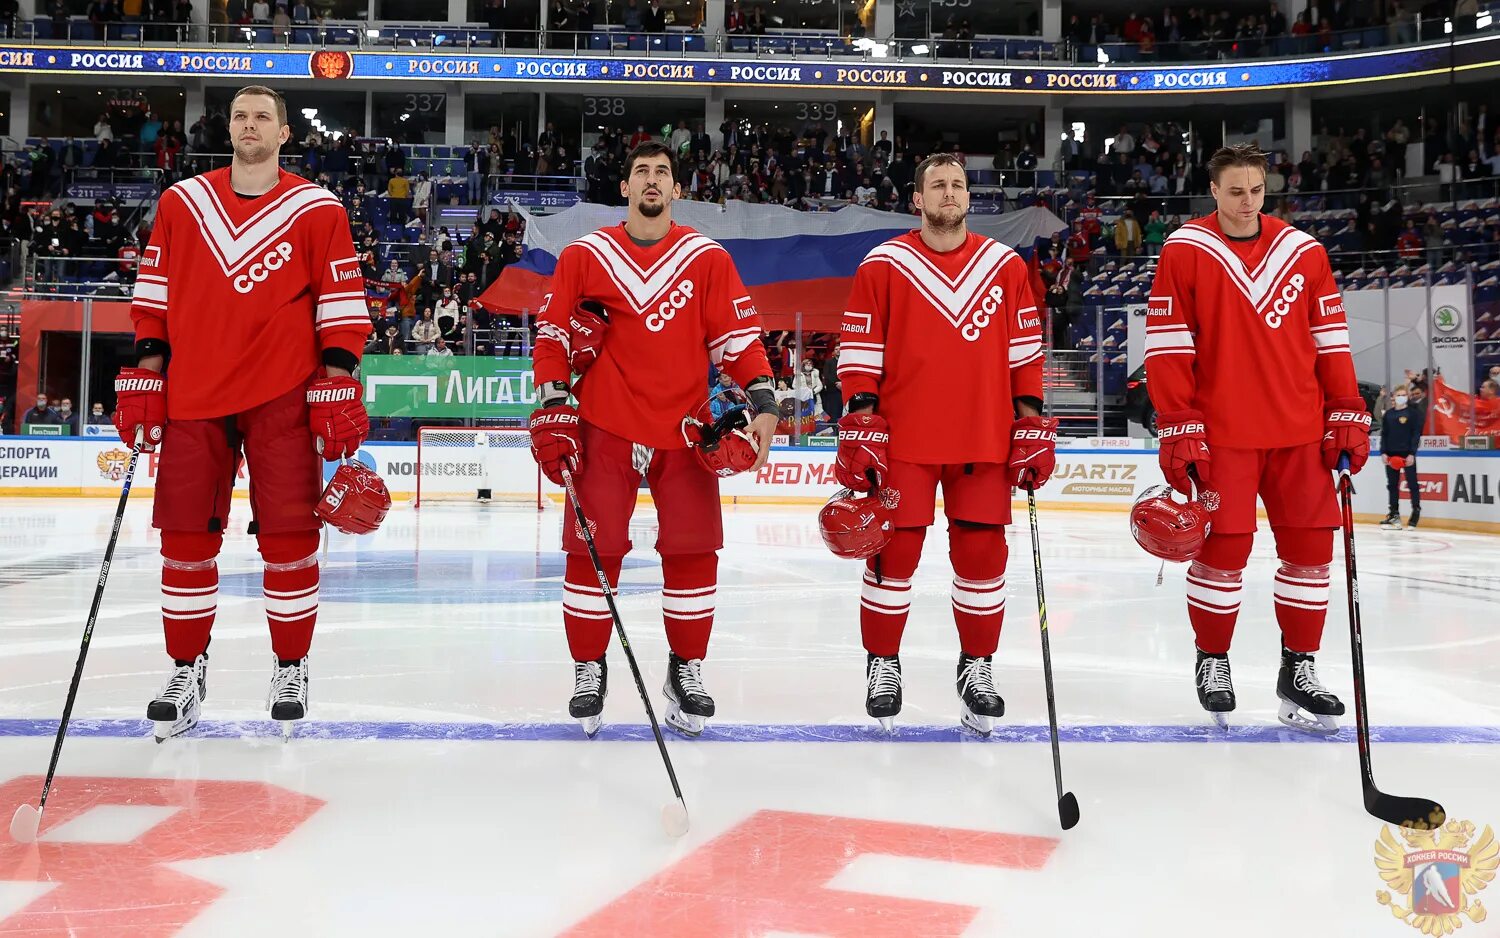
(439, 787)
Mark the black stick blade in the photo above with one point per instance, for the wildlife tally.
(1415, 813)
(1067, 811)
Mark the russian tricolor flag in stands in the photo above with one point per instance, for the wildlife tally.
(793, 262)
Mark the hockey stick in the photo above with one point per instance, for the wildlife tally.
(1416, 813)
(1067, 805)
(27, 820)
(674, 817)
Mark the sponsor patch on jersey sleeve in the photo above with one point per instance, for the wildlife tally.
(1158, 307)
(744, 308)
(856, 323)
(346, 269)
(152, 257)
(1028, 318)
(1330, 306)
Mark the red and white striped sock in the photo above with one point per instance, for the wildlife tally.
(189, 602)
(291, 596)
(885, 601)
(979, 612)
(689, 588)
(586, 617)
(1213, 598)
(1302, 605)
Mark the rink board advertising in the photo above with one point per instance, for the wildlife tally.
(444, 386)
(856, 73)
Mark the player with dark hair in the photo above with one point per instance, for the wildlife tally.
(1240, 292)
(250, 317)
(941, 367)
(641, 310)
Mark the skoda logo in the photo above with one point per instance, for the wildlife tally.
(1446, 319)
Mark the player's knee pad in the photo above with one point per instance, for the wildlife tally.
(288, 548)
(1305, 547)
(978, 551)
(183, 548)
(899, 558)
(1228, 552)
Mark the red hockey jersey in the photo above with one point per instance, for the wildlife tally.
(248, 291)
(674, 308)
(1250, 332)
(947, 340)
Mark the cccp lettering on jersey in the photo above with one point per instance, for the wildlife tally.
(980, 318)
(1283, 304)
(275, 259)
(670, 306)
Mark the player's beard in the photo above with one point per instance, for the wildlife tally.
(653, 209)
(254, 152)
(945, 220)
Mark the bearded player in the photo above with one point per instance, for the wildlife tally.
(250, 316)
(641, 310)
(941, 366)
(1239, 292)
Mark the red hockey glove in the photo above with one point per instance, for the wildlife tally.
(555, 443)
(141, 401)
(1033, 451)
(863, 442)
(1184, 445)
(1346, 425)
(586, 328)
(336, 414)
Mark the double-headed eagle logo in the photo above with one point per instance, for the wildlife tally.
(1440, 871)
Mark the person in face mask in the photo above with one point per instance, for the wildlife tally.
(66, 416)
(97, 416)
(41, 413)
(1400, 436)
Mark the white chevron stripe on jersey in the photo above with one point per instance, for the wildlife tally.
(1258, 285)
(643, 287)
(235, 244)
(952, 297)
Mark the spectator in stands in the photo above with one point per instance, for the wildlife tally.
(447, 310)
(281, 24)
(260, 13)
(97, 416)
(1155, 234)
(1448, 174)
(721, 397)
(301, 13)
(833, 402)
(425, 332)
(654, 18)
(1026, 167)
(398, 192)
(440, 348)
(808, 386)
(756, 20)
(1409, 243)
(41, 414)
(67, 417)
(560, 26)
(1489, 390)
(1123, 142)
(1128, 235)
(1474, 171)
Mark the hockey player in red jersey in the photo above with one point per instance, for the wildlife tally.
(1240, 293)
(941, 367)
(250, 317)
(640, 311)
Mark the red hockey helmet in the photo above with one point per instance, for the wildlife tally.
(857, 527)
(1398, 463)
(1170, 529)
(718, 433)
(355, 500)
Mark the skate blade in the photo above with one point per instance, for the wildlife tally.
(888, 724)
(590, 725)
(980, 725)
(1317, 724)
(1219, 718)
(165, 730)
(685, 723)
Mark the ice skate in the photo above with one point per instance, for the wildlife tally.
(177, 708)
(1306, 704)
(689, 703)
(883, 689)
(1392, 522)
(590, 687)
(976, 688)
(1416, 515)
(1215, 687)
(288, 696)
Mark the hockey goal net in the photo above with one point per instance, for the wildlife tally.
(475, 464)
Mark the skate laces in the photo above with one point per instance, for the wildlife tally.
(286, 686)
(1305, 678)
(587, 677)
(690, 678)
(1213, 675)
(885, 676)
(976, 675)
(181, 684)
